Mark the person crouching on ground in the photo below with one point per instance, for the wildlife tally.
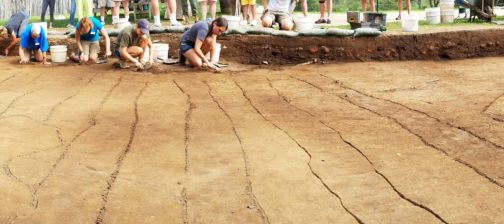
(131, 43)
(15, 26)
(33, 42)
(87, 36)
(277, 11)
(196, 42)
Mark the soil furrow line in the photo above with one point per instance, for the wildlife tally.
(249, 187)
(183, 201)
(422, 139)
(492, 102)
(53, 109)
(337, 82)
(14, 101)
(92, 123)
(244, 93)
(287, 100)
(401, 195)
(7, 79)
(113, 176)
(190, 107)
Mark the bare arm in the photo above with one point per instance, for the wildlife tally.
(13, 41)
(197, 49)
(107, 42)
(151, 51)
(77, 39)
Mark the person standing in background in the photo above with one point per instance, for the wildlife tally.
(323, 8)
(117, 9)
(212, 5)
(45, 4)
(371, 5)
(399, 8)
(304, 7)
(171, 6)
(246, 5)
(84, 8)
(73, 8)
(185, 11)
(104, 4)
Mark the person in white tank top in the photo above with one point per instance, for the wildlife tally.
(277, 11)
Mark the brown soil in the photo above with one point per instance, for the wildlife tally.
(431, 44)
(373, 142)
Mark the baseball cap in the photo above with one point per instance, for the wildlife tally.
(143, 25)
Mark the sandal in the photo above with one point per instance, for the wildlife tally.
(321, 21)
(398, 17)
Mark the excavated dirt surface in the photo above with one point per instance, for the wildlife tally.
(368, 142)
(434, 43)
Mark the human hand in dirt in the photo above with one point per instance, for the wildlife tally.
(108, 53)
(24, 61)
(139, 65)
(6, 52)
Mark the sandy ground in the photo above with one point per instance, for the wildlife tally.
(374, 142)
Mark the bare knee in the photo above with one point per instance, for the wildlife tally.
(287, 25)
(266, 22)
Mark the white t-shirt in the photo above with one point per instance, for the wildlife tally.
(279, 5)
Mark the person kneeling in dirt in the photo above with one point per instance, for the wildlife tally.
(33, 42)
(131, 43)
(15, 27)
(87, 36)
(277, 11)
(196, 42)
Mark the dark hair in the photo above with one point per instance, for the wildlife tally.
(222, 22)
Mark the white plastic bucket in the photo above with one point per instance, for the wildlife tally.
(233, 21)
(160, 51)
(121, 23)
(447, 16)
(433, 15)
(58, 53)
(304, 24)
(409, 23)
(216, 54)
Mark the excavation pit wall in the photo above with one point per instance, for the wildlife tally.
(261, 49)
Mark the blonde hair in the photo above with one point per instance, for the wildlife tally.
(85, 25)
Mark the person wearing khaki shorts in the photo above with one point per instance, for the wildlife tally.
(104, 4)
(277, 11)
(87, 37)
(212, 5)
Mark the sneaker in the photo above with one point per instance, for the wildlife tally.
(70, 26)
(243, 23)
(51, 25)
(253, 22)
(182, 59)
(321, 20)
(123, 64)
(175, 23)
(158, 25)
(328, 21)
